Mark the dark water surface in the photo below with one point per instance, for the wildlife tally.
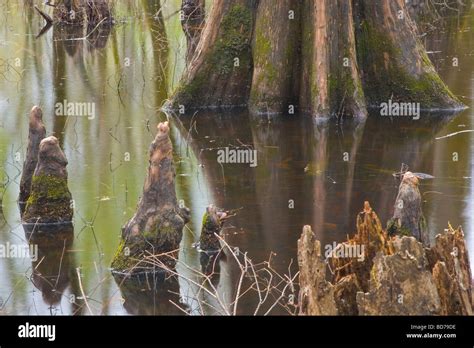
(301, 177)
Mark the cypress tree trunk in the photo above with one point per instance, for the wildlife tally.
(393, 59)
(327, 57)
(330, 82)
(275, 56)
(219, 73)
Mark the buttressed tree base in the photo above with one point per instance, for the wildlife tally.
(321, 57)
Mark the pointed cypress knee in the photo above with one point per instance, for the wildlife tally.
(37, 132)
(209, 242)
(212, 222)
(157, 226)
(408, 218)
(50, 200)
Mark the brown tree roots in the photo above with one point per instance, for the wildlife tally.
(323, 57)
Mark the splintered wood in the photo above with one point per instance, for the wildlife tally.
(397, 276)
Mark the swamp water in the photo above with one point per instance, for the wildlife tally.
(302, 176)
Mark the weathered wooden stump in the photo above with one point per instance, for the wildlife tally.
(316, 295)
(400, 284)
(50, 200)
(449, 260)
(371, 237)
(400, 277)
(37, 132)
(151, 238)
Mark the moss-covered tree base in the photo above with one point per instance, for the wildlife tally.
(50, 200)
(219, 73)
(321, 57)
(393, 60)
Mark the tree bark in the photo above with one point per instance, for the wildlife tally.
(393, 60)
(327, 57)
(275, 57)
(50, 200)
(69, 12)
(316, 295)
(192, 21)
(449, 260)
(219, 73)
(156, 228)
(209, 243)
(78, 12)
(401, 283)
(37, 132)
(330, 81)
(212, 222)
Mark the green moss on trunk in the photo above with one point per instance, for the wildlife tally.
(399, 70)
(49, 201)
(218, 79)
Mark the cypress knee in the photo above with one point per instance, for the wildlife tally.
(212, 222)
(50, 199)
(156, 228)
(37, 132)
(408, 218)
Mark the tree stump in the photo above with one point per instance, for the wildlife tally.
(399, 277)
(401, 284)
(449, 260)
(371, 236)
(316, 295)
